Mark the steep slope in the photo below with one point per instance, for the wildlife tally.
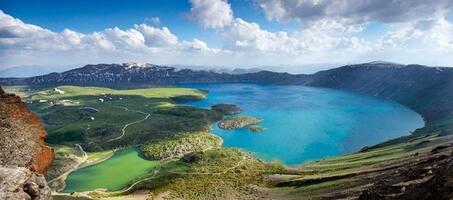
(426, 90)
(24, 157)
(22, 136)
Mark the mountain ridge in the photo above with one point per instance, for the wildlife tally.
(401, 83)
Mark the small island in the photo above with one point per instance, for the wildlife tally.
(176, 147)
(255, 128)
(238, 121)
(226, 109)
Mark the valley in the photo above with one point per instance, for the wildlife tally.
(85, 116)
(164, 140)
(226, 100)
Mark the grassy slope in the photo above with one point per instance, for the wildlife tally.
(72, 124)
(68, 125)
(348, 175)
(225, 173)
(73, 91)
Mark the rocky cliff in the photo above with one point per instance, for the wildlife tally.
(24, 157)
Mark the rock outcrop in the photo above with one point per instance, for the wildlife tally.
(24, 157)
(17, 183)
(239, 121)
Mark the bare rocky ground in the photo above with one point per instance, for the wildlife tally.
(24, 157)
(429, 178)
(18, 183)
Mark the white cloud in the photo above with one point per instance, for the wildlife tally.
(17, 35)
(331, 24)
(423, 34)
(195, 44)
(15, 28)
(324, 40)
(156, 37)
(242, 35)
(245, 36)
(354, 11)
(19, 40)
(153, 20)
(211, 13)
(124, 39)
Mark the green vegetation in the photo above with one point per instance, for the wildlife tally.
(226, 172)
(104, 118)
(121, 119)
(178, 146)
(238, 121)
(67, 115)
(227, 109)
(74, 91)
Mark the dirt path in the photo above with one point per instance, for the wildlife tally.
(213, 173)
(185, 173)
(64, 175)
(123, 130)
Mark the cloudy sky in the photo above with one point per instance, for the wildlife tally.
(292, 34)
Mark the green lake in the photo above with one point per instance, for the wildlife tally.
(113, 174)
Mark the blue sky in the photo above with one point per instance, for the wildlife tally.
(87, 16)
(245, 33)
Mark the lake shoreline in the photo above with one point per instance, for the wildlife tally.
(223, 146)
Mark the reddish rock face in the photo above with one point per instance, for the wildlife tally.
(22, 136)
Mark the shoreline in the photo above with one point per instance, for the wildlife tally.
(286, 165)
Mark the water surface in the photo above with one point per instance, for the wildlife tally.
(303, 123)
(112, 174)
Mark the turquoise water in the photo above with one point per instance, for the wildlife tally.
(304, 123)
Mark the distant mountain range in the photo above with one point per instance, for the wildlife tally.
(31, 70)
(106, 74)
(427, 90)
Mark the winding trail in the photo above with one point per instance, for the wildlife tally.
(85, 155)
(143, 180)
(184, 173)
(123, 130)
(75, 167)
